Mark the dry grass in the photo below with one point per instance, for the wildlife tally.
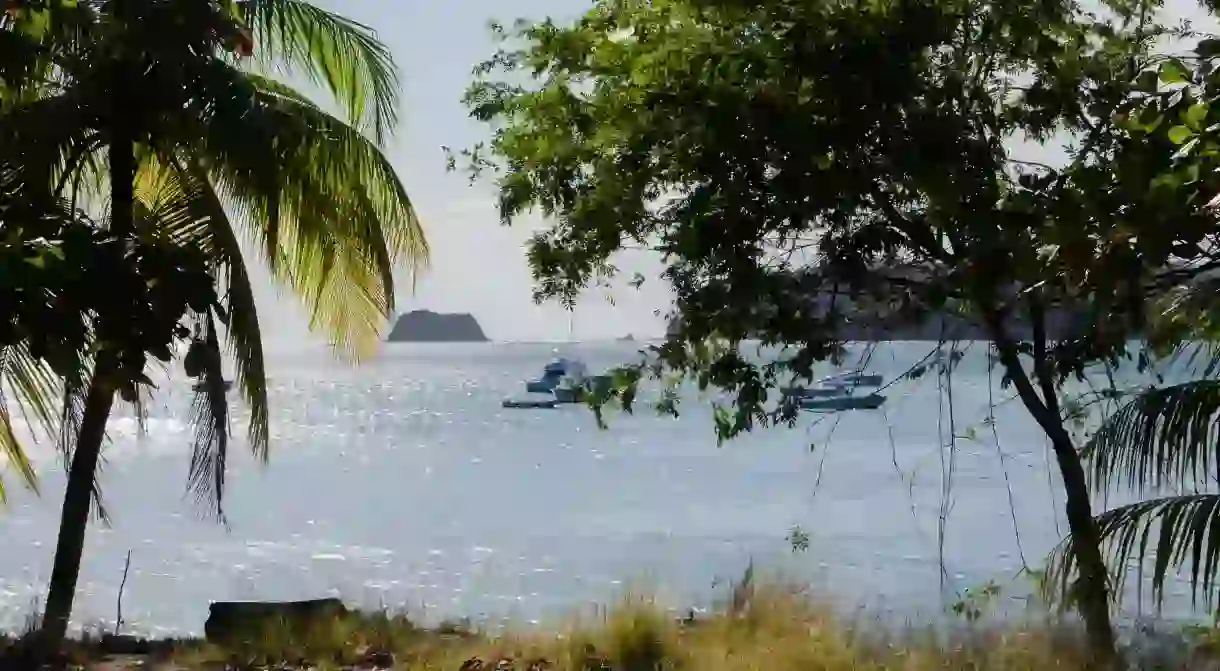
(759, 629)
(774, 630)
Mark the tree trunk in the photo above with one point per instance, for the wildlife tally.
(74, 519)
(1092, 594)
(78, 497)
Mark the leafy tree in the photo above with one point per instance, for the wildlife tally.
(167, 109)
(799, 164)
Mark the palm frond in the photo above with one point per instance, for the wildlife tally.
(1184, 325)
(210, 417)
(342, 291)
(1179, 532)
(34, 388)
(24, 65)
(48, 140)
(335, 52)
(187, 206)
(343, 150)
(321, 199)
(1162, 437)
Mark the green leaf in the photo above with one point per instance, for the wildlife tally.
(1146, 81)
(1173, 71)
(1195, 115)
(1180, 134)
(1149, 118)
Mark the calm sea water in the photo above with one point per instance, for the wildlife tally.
(404, 483)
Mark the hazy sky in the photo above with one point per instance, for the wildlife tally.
(478, 266)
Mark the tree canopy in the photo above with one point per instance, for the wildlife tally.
(777, 150)
(791, 159)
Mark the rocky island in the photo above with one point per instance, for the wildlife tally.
(428, 326)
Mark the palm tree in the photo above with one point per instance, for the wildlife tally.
(64, 273)
(172, 104)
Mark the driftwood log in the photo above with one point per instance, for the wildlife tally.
(230, 620)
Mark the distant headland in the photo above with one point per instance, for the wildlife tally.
(428, 326)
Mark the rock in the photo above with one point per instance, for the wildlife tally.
(230, 619)
(115, 644)
(427, 326)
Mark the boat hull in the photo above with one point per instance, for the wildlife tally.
(863, 380)
(543, 386)
(835, 386)
(569, 394)
(529, 403)
(814, 392)
(839, 403)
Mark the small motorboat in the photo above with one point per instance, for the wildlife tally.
(835, 385)
(554, 373)
(814, 392)
(530, 403)
(563, 381)
(842, 402)
(859, 379)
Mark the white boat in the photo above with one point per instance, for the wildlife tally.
(836, 393)
(842, 402)
(563, 380)
(859, 379)
(836, 385)
(554, 373)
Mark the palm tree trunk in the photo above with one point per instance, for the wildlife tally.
(74, 519)
(78, 496)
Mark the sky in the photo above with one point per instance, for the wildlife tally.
(478, 266)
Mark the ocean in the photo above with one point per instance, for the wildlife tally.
(402, 483)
